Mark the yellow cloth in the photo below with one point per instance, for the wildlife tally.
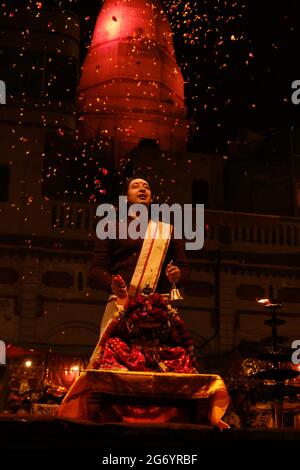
(152, 256)
(139, 384)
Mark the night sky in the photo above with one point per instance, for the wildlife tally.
(238, 58)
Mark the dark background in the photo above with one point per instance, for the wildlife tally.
(238, 59)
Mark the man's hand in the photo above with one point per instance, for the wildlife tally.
(118, 287)
(173, 273)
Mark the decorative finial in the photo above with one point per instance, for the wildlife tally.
(147, 289)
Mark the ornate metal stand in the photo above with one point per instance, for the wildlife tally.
(278, 391)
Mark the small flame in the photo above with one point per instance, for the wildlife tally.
(264, 301)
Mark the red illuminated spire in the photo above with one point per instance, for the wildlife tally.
(131, 86)
(133, 19)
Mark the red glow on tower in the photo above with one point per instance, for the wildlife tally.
(131, 85)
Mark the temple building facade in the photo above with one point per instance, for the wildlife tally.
(131, 90)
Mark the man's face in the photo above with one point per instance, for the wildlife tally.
(139, 192)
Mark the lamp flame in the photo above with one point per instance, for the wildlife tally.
(264, 301)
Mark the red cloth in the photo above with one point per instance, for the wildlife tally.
(118, 355)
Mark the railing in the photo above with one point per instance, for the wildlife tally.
(252, 229)
(221, 228)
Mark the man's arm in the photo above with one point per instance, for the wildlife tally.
(181, 261)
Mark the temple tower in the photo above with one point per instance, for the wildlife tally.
(131, 86)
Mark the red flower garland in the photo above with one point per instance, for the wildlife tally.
(149, 315)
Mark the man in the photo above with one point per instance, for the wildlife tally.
(114, 261)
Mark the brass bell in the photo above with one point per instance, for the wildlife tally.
(175, 294)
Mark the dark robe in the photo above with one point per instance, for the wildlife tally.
(119, 256)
